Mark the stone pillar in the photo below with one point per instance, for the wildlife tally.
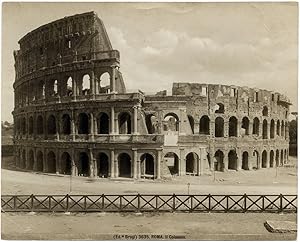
(57, 127)
(113, 80)
(134, 165)
(135, 120)
(74, 87)
(181, 121)
(158, 163)
(92, 126)
(268, 159)
(211, 128)
(238, 130)
(116, 124)
(91, 163)
(45, 163)
(112, 164)
(182, 164)
(92, 83)
(95, 125)
(112, 120)
(73, 126)
(226, 127)
(116, 164)
(226, 160)
(250, 127)
(58, 166)
(74, 171)
(239, 159)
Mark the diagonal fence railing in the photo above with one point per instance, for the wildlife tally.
(149, 203)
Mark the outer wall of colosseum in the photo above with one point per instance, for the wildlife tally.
(73, 115)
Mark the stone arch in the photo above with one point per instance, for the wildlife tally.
(277, 158)
(271, 158)
(83, 164)
(40, 161)
(278, 128)
(171, 122)
(30, 160)
(272, 129)
(104, 84)
(220, 108)
(191, 122)
(219, 127)
(255, 126)
(219, 161)
(23, 125)
(66, 124)
(245, 161)
(124, 161)
(86, 83)
(51, 162)
(66, 163)
(83, 123)
(103, 123)
(147, 165)
(265, 111)
(285, 157)
(124, 123)
(191, 161)
(282, 128)
(102, 165)
(265, 129)
(256, 157)
(281, 157)
(30, 125)
(151, 123)
(51, 125)
(232, 160)
(40, 125)
(245, 126)
(69, 87)
(233, 126)
(172, 161)
(204, 125)
(264, 160)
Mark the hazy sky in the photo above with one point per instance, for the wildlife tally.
(245, 44)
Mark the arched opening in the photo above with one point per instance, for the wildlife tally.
(204, 125)
(265, 129)
(265, 111)
(124, 165)
(191, 121)
(272, 129)
(23, 125)
(51, 162)
(30, 160)
(172, 162)
(256, 163)
(271, 158)
(219, 127)
(232, 160)
(30, 124)
(245, 161)
(220, 108)
(40, 125)
(23, 160)
(277, 158)
(151, 123)
(85, 85)
(264, 159)
(219, 161)
(191, 163)
(102, 165)
(232, 126)
(51, 125)
(285, 157)
(83, 127)
(245, 126)
(55, 88)
(278, 128)
(66, 163)
(256, 126)
(281, 157)
(282, 128)
(83, 164)
(39, 161)
(171, 122)
(124, 123)
(66, 124)
(104, 86)
(69, 91)
(147, 165)
(103, 124)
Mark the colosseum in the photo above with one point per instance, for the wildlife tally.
(73, 115)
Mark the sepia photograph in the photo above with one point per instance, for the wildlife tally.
(134, 121)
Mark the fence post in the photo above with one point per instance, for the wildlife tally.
(139, 203)
(245, 203)
(49, 203)
(227, 204)
(102, 203)
(156, 202)
(281, 205)
(15, 203)
(120, 203)
(67, 196)
(263, 203)
(31, 202)
(209, 202)
(84, 199)
(191, 209)
(173, 207)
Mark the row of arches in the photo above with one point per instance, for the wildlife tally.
(276, 158)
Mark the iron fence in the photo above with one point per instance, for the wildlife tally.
(149, 203)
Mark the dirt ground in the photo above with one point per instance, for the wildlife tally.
(263, 181)
(169, 226)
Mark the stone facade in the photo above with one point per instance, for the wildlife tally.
(73, 115)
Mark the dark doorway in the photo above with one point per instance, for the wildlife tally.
(83, 123)
(103, 123)
(102, 165)
(147, 164)
(83, 164)
(124, 165)
(66, 163)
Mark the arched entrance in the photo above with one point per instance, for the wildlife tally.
(103, 124)
(66, 163)
(83, 164)
(51, 125)
(191, 163)
(102, 165)
(271, 158)
(147, 165)
(277, 158)
(124, 123)
(23, 160)
(232, 127)
(51, 162)
(172, 162)
(66, 124)
(264, 159)
(83, 119)
(232, 160)
(151, 123)
(281, 157)
(192, 123)
(219, 164)
(39, 161)
(40, 125)
(265, 129)
(171, 122)
(245, 161)
(30, 160)
(124, 165)
(204, 125)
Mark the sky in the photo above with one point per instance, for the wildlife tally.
(243, 44)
